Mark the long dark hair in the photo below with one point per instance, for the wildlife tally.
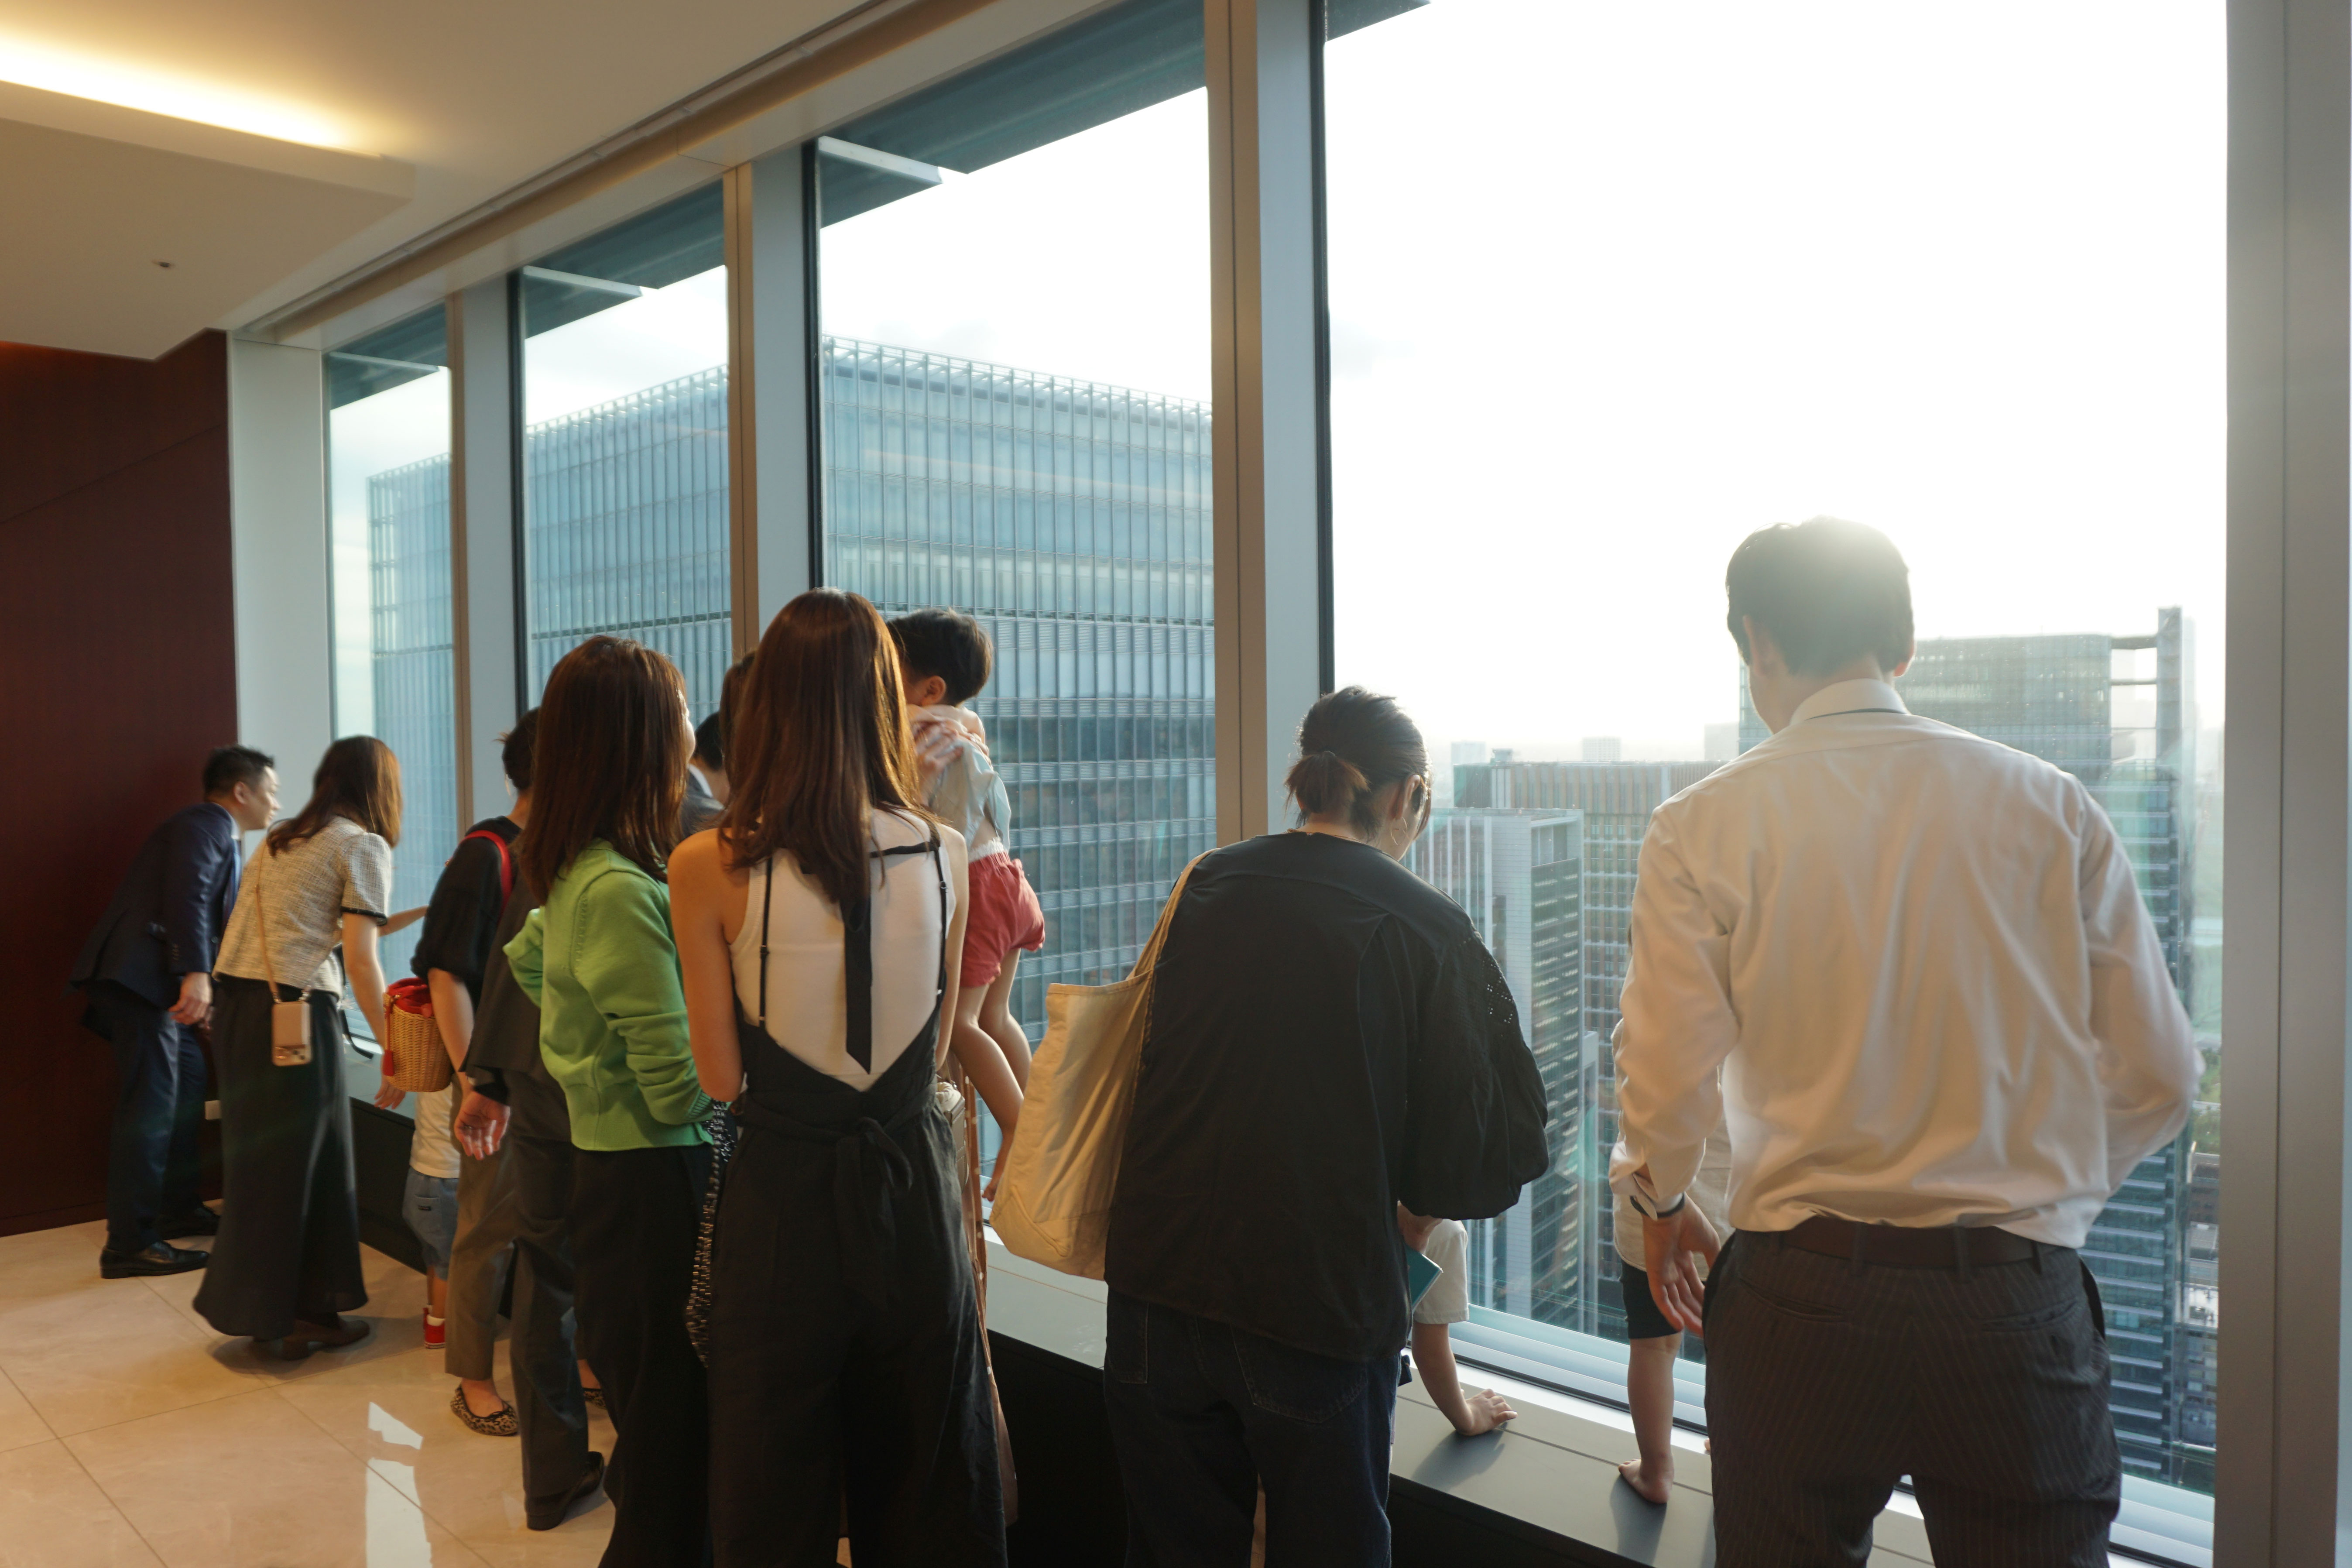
(820, 743)
(1353, 744)
(359, 778)
(610, 760)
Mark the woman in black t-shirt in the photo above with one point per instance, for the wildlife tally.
(1330, 1039)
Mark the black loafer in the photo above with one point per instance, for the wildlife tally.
(547, 1516)
(196, 1222)
(161, 1258)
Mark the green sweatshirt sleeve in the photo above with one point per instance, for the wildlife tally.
(627, 965)
(527, 953)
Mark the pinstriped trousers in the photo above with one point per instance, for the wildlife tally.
(1828, 1380)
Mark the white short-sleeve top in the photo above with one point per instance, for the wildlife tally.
(808, 995)
(341, 869)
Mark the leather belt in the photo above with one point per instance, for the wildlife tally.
(1912, 1247)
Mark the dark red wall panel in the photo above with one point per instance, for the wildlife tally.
(119, 661)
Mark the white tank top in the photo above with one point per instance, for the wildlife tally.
(808, 1007)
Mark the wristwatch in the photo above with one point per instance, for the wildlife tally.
(1646, 1211)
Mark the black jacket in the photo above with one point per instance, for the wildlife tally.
(1328, 1037)
(171, 908)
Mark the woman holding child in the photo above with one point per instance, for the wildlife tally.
(820, 929)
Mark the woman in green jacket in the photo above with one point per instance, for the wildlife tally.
(598, 956)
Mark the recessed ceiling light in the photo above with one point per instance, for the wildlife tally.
(136, 86)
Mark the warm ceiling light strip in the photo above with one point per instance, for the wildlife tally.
(179, 97)
(651, 142)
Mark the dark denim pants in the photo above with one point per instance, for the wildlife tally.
(1203, 1414)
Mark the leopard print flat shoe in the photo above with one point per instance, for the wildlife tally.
(503, 1424)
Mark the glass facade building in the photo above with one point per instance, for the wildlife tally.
(395, 634)
(1072, 520)
(1520, 876)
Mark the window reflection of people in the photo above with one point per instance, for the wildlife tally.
(1946, 1035)
(147, 975)
(598, 958)
(1329, 1037)
(818, 931)
(288, 1261)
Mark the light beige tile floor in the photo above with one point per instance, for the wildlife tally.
(131, 1435)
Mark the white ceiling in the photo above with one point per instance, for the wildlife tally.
(473, 97)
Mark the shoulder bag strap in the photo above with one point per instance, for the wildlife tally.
(261, 912)
(1149, 958)
(506, 861)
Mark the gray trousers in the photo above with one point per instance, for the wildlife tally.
(488, 1220)
(1828, 1380)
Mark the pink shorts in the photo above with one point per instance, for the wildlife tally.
(1005, 915)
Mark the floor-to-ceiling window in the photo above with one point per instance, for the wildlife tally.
(394, 661)
(623, 452)
(1611, 287)
(1013, 383)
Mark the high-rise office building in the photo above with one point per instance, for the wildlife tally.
(2117, 712)
(1071, 518)
(1613, 801)
(1520, 875)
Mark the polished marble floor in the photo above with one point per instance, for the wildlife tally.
(131, 1434)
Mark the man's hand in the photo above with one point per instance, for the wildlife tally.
(1671, 1249)
(195, 1003)
(481, 1124)
(1414, 1228)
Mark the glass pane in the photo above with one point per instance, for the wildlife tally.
(388, 483)
(1953, 272)
(1015, 395)
(624, 443)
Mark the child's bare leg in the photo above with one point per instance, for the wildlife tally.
(996, 1017)
(983, 1060)
(1650, 1390)
(436, 1292)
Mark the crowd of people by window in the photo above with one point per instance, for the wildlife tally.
(720, 1004)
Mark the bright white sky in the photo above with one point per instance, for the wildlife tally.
(1612, 286)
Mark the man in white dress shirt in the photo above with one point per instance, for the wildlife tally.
(1912, 968)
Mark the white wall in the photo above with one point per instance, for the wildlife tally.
(277, 515)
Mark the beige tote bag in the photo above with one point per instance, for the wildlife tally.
(1053, 1203)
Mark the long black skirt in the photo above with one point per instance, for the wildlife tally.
(289, 1237)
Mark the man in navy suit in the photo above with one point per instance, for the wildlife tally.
(146, 971)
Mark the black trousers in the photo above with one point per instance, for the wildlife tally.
(635, 1215)
(1828, 1380)
(548, 1401)
(1203, 1414)
(158, 1108)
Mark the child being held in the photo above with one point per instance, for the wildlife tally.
(1653, 1343)
(944, 659)
(1443, 1304)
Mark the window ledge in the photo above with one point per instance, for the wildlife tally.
(1548, 1481)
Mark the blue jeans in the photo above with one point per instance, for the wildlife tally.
(1203, 1414)
(430, 1205)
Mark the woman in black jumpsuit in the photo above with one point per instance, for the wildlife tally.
(844, 1340)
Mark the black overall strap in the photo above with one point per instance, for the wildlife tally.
(858, 952)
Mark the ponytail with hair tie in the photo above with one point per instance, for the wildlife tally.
(1353, 743)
